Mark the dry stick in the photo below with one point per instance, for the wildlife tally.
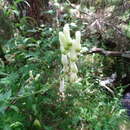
(104, 52)
(105, 86)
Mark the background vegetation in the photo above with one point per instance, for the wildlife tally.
(30, 65)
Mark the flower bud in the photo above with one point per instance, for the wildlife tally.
(77, 41)
(37, 77)
(63, 42)
(31, 74)
(62, 49)
(78, 36)
(66, 31)
(73, 56)
(64, 60)
(37, 124)
(62, 39)
(62, 86)
(73, 67)
(73, 77)
(66, 69)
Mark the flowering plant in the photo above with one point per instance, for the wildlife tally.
(70, 49)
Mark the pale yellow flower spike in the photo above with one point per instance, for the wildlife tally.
(70, 48)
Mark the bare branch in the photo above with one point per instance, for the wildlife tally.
(125, 54)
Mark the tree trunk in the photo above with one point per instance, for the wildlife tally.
(32, 8)
(2, 55)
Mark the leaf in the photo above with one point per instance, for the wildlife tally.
(16, 124)
(15, 108)
(10, 79)
(3, 108)
(5, 96)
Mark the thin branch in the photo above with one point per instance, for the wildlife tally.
(125, 54)
(110, 90)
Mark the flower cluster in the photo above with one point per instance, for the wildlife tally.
(70, 48)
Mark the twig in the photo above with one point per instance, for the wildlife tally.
(105, 86)
(104, 52)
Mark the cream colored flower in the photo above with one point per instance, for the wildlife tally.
(66, 69)
(70, 49)
(66, 31)
(62, 39)
(64, 43)
(73, 55)
(64, 60)
(73, 77)
(77, 41)
(62, 49)
(73, 67)
(62, 86)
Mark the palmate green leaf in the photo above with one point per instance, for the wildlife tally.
(5, 96)
(3, 107)
(28, 67)
(6, 127)
(10, 79)
(15, 108)
(16, 124)
(3, 74)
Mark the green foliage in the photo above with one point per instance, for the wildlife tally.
(29, 83)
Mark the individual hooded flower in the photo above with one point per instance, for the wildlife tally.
(64, 44)
(77, 41)
(66, 31)
(65, 69)
(73, 67)
(64, 60)
(62, 86)
(73, 77)
(73, 55)
(62, 39)
(62, 49)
